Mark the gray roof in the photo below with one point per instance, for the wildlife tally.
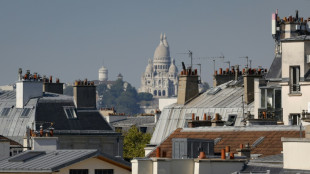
(45, 109)
(227, 101)
(273, 163)
(51, 161)
(275, 71)
(132, 120)
(297, 38)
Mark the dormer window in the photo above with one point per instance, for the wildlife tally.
(70, 112)
(5, 112)
(294, 79)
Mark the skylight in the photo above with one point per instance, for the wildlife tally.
(70, 112)
(26, 112)
(5, 111)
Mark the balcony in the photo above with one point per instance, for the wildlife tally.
(270, 114)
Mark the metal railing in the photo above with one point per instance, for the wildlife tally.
(295, 88)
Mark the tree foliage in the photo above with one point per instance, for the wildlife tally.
(135, 142)
(123, 98)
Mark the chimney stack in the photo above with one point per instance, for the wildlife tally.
(248, 79)
(27, 87)
(84, 94)
(188, 85)
(49, 86)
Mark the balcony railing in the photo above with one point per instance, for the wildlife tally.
(295, 88)
(270, 113)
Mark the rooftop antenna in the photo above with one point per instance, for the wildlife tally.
(228, 62)
(190, 55)
(250, 63)
(213, 59)
(247, 60)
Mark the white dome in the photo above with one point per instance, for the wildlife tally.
(149, 67)
(103, 74)
(162, 50)
(173, 69)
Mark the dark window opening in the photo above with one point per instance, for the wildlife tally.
(5, 111)
(143, 129)
(26, 112)
(294, 79)
(104, 171)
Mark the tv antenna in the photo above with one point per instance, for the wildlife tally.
(228, 62)
(190, 55)
(213, 59)
(247, 60)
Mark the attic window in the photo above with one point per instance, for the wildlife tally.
(26, 112)
(258, 141)
(70, 112)
(5, 111)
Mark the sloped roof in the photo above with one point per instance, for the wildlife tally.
(275, 71)
(135, 120)
(227, 101)
(234, 136)
(50, 161)
(48, 108)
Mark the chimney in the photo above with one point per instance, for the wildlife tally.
(27, 87)
(4, 149)
(221, 78)
(84, 94)
(49, 86)
(244, 151)
(248, 79)
(44, 143)
(188, 85)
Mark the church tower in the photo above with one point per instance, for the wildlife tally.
(160, 76)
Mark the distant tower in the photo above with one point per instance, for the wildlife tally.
(103, 74)
(160, 77)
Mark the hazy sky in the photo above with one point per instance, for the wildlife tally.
(71, 39)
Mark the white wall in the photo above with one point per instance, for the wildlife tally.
(4, 149)
(44, 143)
(296, 153)
(94, 163)
(294, 103)
(26, 90)
(185, 166)
(163, 102)
(257, 98)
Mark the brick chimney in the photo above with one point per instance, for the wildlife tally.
(28, 86)
(49, 86)
(248, 78)
(188, 85)
(224, 76)
(84, 94)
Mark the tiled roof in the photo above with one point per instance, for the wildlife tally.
(132, 120)
(233, 137)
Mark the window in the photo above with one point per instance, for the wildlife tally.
(159, 93)
(164, 93)
(5, 111)
(104, 171)
(294, 118)
(271, 98)
(70, 112)
(143, 129)
(78, 171)
(26, 112)
(294, 79)
(155, 93)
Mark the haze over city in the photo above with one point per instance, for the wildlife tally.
(73, 39)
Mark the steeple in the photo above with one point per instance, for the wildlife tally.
(165, 41)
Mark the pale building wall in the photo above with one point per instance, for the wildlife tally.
(4, 149)
(257, 98)
(292, 54)
(106, 144)
(185, 166)
(218, 166)
(296, 153)
(163, 102)
(91, 164)
(26, 90)
(294, 103)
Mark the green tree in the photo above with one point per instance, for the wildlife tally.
(135, 142)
